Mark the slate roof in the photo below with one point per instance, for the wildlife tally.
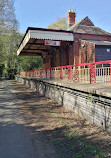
(79, 28)
(90, 30)
(102, 43)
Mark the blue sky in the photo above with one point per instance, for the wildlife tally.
(40, 13)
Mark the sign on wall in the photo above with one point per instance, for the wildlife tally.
(52, 43)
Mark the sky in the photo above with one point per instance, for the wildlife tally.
(41, 13)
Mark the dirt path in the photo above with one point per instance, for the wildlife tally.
(60, 130)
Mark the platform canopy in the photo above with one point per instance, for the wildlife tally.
(37, 41)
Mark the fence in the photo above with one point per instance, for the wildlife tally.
(98, 72)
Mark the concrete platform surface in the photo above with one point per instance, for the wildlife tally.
(98, 89)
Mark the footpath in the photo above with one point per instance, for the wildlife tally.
(15, 138)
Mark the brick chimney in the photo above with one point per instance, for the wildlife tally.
(71, 15)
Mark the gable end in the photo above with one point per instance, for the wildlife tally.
(87, 22)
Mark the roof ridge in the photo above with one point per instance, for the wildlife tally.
(87, 26)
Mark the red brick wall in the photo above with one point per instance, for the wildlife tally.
(71, 55)
(86, 52)
(76, 50)
(71, 17)
(57, 58)
(46, 63)
(87, 22)
(66, 55)
(65, 50)
(78, 37)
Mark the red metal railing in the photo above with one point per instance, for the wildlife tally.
(97, 72)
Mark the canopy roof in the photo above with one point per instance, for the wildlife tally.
(33, 41)
(99, 43)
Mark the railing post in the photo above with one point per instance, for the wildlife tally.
(69, 73)
(79, 75)
(50, 74)
(61, 73)
(110, 72)
(34, 73)
(40, 74)
(54, 73)
(92, 73)
(46, 72)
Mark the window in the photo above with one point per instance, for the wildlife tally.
(108, 50)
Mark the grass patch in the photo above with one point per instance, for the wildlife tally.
(56, 142)
(62, 123)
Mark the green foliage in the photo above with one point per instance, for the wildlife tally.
(9, 41)
(101, 154)
(30, 62)
(80, 155)
(60, 24)
(1, 69)
(9, 37)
